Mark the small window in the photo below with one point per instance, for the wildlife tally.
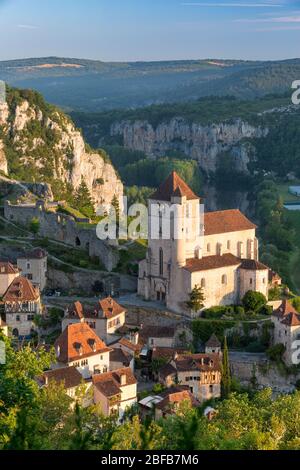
(208, 248)
(161, 262)
(18, 318)
(203, 283)
(211, 389)
(224, 279)
(251, 281)
(264, 280)
(28, 266)
(187, 379)
(228, 245)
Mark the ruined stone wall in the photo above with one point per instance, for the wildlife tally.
(63, 228)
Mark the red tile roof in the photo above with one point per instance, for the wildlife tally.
(166, 353)
(199, 362)
(175, 396)
(36, 253)
(109, 308)
(291, 319)
(136, 348)
(7, 268)
(21, 290)
(284, 309)
(226, 221)
(173, 186)
(109, 383)
(69, 376)
(76, 310)
(78, 341)
(211, 262)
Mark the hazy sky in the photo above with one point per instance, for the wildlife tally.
(150, 29)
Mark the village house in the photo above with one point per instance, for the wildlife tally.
(34, 266)
(115, 391)
(167, 402)
(218, 252)
(21, 303)
(106, 317)
(200, 372)
(119, 359)
(286, 321)
(8, 272)
(79, 346)
(155, 336)
(70, 377)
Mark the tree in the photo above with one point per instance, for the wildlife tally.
(197, 299)
(226, 375)
(116, 205)
(83, 200)
(34, 225)
(254, 301)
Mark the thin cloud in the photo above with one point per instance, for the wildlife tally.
(234, 5)
(276, 19)
(27, 26)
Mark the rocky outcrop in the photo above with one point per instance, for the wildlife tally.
(203, 143)
(50, 147)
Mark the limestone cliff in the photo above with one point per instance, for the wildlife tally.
(39, 143)
(205, 143)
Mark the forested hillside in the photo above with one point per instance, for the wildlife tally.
(86, 85)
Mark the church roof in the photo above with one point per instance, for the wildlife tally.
(231, 220)
(253, 265)
(173, 186)
(211, 262)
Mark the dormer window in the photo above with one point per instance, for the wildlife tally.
(79, 349)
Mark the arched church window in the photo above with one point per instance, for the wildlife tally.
(161, 262)
(224, 279)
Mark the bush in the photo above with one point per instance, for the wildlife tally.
(239, 310)
(34, 226)
(266, 310)
(253, 301)
(214, 312)
(276, 352)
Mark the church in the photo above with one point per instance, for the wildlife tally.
(217, 251)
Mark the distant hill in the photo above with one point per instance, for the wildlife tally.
(87, 85)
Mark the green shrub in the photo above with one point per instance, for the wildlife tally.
(214, 312)
(34, 226)
(253, 301)
(276, 352)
